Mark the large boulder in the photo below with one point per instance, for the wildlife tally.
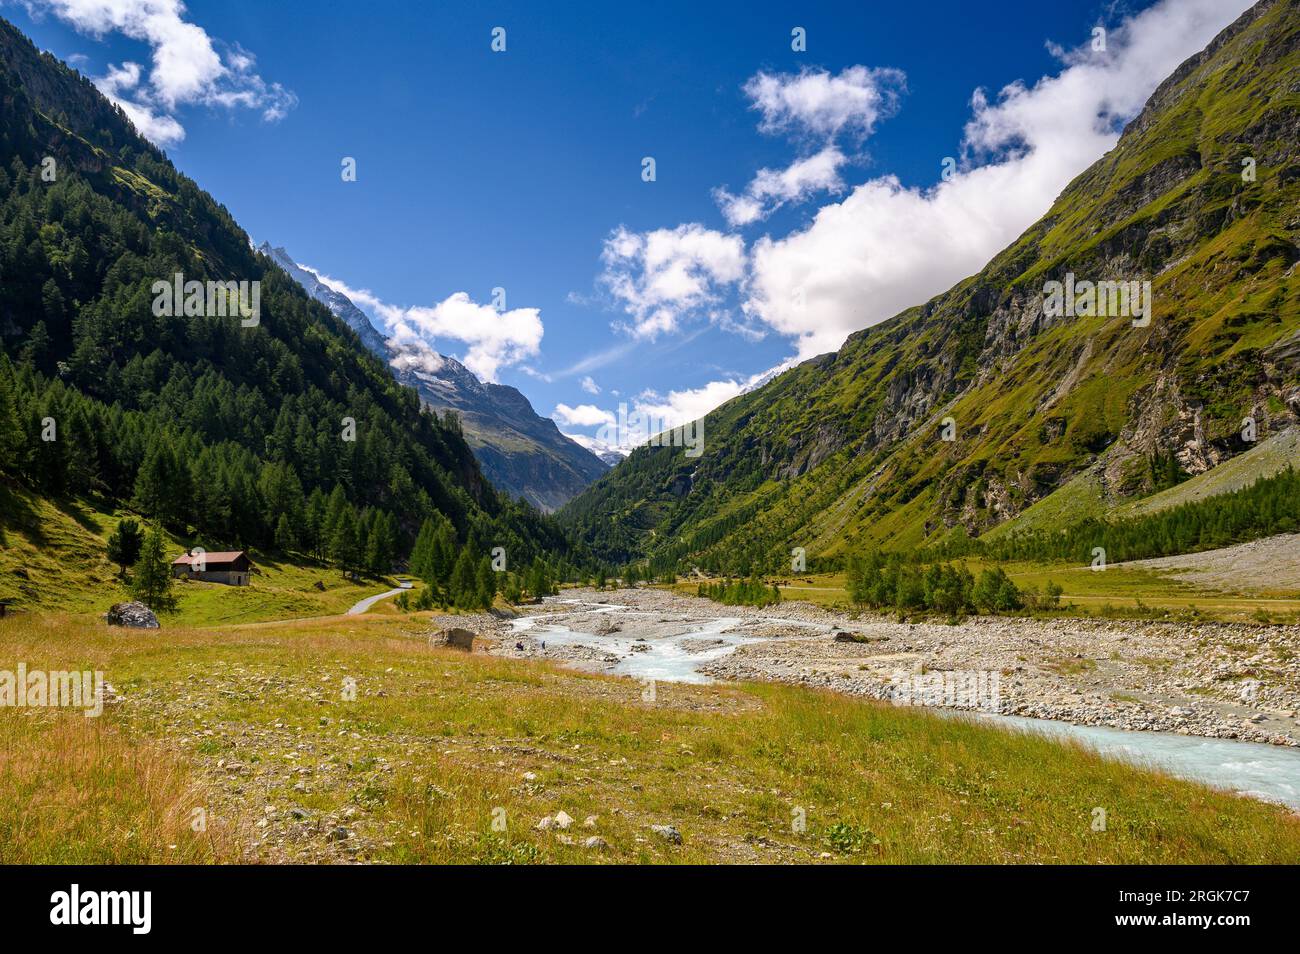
(133, 614)
(457, 638)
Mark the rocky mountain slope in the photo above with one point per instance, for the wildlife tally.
(957, 415)
(521, 452)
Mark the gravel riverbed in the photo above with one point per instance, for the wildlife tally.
(1217, 680)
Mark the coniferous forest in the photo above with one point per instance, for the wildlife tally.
(1270, 505)
(284, 435)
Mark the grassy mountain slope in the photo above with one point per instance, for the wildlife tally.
(1082, 496)
(846, 448)
(53, 559)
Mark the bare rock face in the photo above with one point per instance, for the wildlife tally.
(133, 614)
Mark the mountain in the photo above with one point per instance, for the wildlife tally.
(608, 453)
(335, 301)
(521, 452)
(272, 427)
(847, 450)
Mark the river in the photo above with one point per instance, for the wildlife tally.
(1270, 772)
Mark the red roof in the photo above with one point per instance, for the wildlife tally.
(219, 556)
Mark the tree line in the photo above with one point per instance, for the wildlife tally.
(470, 577)
(750, 592)
(1269, 506)
(891, 581)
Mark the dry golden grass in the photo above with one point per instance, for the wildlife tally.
(77, 790)
(436, 749)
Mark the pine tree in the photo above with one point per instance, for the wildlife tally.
(365, 526)
(36, 349)
(53, 303)
(512, 592)
(464, 582)
(334, 507)
(151, 488)
(285, 539)
(421, 563)
(344, 549)
(443, 552)
(381, 546)
(314, 523)
(487, 584)
(124, 544)
(282, 496)
(152, 584)
(13, 440)
(164, 487)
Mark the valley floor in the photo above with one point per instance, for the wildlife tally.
(1218, 680)
(363, 739)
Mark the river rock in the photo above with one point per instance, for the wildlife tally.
(668, 833)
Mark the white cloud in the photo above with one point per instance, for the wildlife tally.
(590, 386)
(818, 103)
(159, 129)
(534, 373)
(584, 415)
(773, 188)
(121, 82)
(886, 247)
(495, 339)
(811, 105)
(120, 79)
(186, 66)
(417, 356)
(633, 423)
(689, 404)
(662, 275)
(597, 359)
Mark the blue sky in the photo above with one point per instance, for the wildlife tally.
(522, 169)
